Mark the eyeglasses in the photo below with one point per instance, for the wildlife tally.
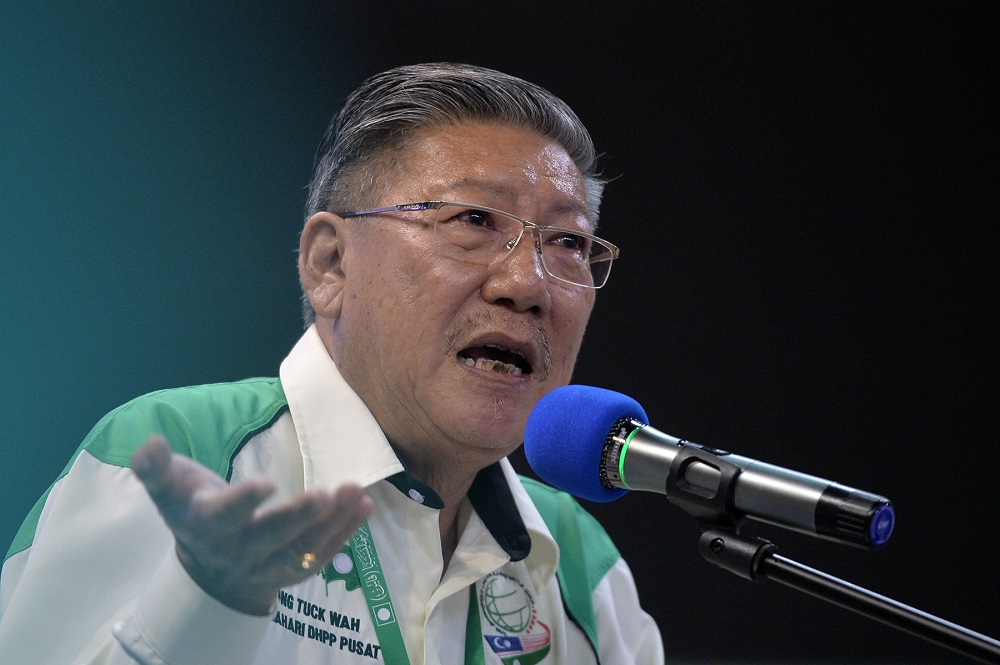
(480, 234)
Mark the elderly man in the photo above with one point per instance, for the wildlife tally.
(359, 508)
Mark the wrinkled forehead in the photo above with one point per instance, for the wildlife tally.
(501, 166)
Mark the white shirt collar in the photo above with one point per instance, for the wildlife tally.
(332, 421)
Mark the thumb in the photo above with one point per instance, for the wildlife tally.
(151, 461)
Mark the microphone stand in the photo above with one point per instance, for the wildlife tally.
(755, 559)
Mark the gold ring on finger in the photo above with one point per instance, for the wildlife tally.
(303, 561)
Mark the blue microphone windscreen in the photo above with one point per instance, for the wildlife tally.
(565, 436)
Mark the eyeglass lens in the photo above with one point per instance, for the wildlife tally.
(481, 236)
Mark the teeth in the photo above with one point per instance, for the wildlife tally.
(493, 365)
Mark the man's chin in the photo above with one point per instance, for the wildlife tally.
(486, 412)
(493, 425)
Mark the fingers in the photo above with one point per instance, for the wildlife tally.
(355, 507)
(328, 533)
(316, 521)
(232, 506)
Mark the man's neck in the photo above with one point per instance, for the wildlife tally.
(448, 523)
(452, 486)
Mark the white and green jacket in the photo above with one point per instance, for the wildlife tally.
(92, 577)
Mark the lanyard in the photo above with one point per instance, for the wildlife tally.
(369, 570)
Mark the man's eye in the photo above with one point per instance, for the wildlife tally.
(476, 218)
(468, 219)
(570, 241)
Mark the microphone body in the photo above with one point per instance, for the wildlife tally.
(596, 444)
(760, 491)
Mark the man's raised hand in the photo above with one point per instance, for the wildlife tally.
(237, 551)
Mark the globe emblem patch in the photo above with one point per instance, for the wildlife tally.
(507, 604)
(520, 638)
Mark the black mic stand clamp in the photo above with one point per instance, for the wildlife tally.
(756, 559)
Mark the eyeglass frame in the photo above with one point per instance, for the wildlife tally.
(510, 244)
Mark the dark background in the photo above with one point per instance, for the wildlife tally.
(805, 196)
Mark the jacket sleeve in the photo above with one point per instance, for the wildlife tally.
(625, 632)
(92, 578)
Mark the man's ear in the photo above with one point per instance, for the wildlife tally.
(321, 263)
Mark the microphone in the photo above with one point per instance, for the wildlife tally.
(597, 445)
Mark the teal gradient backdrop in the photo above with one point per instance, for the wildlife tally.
(154, 160)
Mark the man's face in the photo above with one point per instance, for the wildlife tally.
(412, 319)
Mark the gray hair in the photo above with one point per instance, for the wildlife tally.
(383, 115)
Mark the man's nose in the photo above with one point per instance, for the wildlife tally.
(518, 276)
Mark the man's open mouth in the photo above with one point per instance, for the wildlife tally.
(495, 358)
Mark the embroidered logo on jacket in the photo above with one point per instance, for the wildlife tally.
(342, 568)
(507, 604)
